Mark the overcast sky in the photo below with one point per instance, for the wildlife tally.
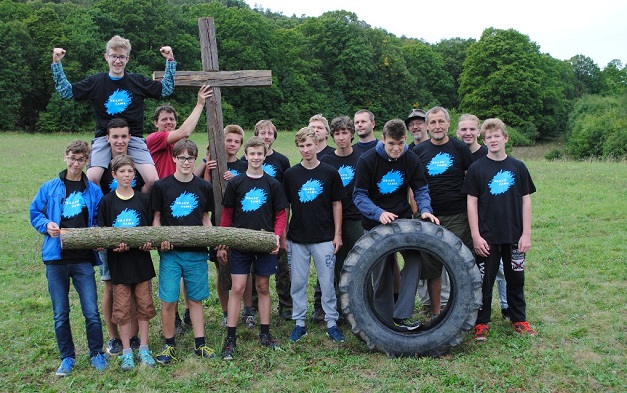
(597, 29)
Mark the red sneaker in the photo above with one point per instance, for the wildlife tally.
(481, 331)
(523, 328)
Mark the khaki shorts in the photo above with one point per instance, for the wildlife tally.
(123, 294)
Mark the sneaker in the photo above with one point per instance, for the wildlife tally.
(523, 328)
(250, 321)
(145, 357)
(204, 352)
(167, 355)
(135, 343)
(298, 333)
(336, 334)
(266, 340)
(317, 316)
(187, 320)
(99, 362)
(505, 313)
(228, 350)
(114, 347)
(225, 322)
(285, 313)
(66, 367)
(406, 324)
(481, 331)
(127, 363)
(178, 325)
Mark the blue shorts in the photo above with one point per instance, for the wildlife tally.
(192, 266)
(105, 274)
(101, 151)
(264, 264)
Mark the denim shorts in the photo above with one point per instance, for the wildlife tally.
(192, 266)
(263, 264)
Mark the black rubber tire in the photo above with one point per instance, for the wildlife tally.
(406, 234)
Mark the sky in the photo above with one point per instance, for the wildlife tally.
(596, 29)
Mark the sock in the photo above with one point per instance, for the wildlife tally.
(171, 342)
(199, 341)
(127, 351)
(265, 328)
(248, 311)
(144, 348)
(230, 331)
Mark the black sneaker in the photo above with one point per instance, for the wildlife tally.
(228, 350)
(266, 340)
(187, 320)
(204, 351)
(166, 356)
(406, 324)
(135, 343)
(114, 347)
(317, 316)
(505, 313)
(178, 325)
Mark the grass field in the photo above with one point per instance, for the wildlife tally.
(576, 297)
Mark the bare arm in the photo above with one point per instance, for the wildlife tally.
(337, 221)
(482, 248)
(524, 244)
(188, 126)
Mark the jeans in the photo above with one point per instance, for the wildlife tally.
(83, 278)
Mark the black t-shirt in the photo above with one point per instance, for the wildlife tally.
(445, 166)
(481, 152)
(108, 183)
(132, 266)
(347, 168)
(74, 214)
(311, 193)
(500, 186)
(387, 182)
(275, 165)
(182, 203)
(255, 201)
(237, 167)
(325, 151)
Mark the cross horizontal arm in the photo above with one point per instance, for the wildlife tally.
(219, 78)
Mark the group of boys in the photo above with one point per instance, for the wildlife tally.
(333, 195)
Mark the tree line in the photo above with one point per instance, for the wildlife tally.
(333, 64)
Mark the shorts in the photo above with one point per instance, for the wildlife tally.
(122, 301)
(456, 223)
(105, 274)
(101, 151)
(192, 266)
(263, 264)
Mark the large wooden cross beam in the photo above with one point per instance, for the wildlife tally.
(211, 75)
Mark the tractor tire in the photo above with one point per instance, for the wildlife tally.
(434, 338)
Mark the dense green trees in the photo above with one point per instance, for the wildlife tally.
(333, 64)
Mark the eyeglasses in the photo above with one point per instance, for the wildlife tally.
(116, 57)
(73, 160)
(182, 159)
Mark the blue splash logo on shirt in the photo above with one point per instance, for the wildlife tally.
(390, 182)
(439, 164)
(184, 204)
(234, 172)
(347, 174)
(113, 185)
(310, 190)
(128, 218)
(269, 169)
(501, 182)
(254, 199)
(73, 205)
(118, 102)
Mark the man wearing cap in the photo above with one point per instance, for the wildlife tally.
(417, 126)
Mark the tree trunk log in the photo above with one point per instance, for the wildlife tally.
(181, 236)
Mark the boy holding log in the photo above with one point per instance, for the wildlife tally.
(70, 201)
(182, 199)
(131, 269)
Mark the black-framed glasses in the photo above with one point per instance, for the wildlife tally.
(73, 160)
(182, 159)
(116, 57)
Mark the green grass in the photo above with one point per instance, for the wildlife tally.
(576, 300)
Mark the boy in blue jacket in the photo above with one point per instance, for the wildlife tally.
(70, 201)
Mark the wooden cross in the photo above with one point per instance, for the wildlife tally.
(211, 75)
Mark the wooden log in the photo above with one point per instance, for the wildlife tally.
(219, 78)
(181, 236)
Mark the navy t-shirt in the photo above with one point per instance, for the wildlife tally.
(347, 168)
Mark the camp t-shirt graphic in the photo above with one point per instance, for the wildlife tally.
(310, 190)
(390, 182)
(73, 205)
(254, 199)
(128, 218)
(269, 169)
(439, 164)
(501, 182)
(118, 102)
(347, 174)
(184, 204)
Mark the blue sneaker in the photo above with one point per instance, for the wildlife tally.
(127, 363)
(298, 333)
(336, 334)
(66, 367)
(145, 357)
(99, 362)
